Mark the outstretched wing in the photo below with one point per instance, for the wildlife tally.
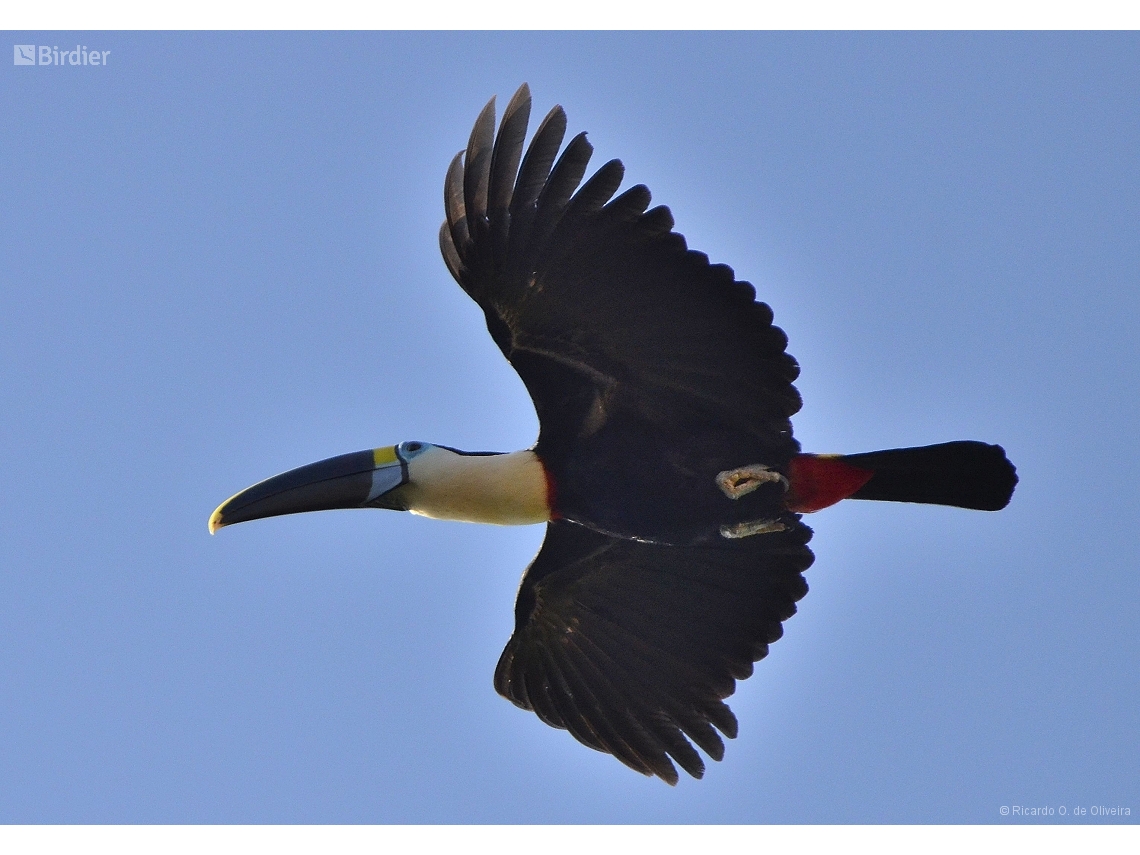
(598, 304)
(632, 647)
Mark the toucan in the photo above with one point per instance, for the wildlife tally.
(665, 470)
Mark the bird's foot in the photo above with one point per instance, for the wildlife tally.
(747, 529)
(735, 483)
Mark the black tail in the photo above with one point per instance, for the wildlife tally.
(963, 474)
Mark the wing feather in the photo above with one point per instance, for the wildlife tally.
(504, 168)
(455, 210)
(449, 252)
(602, 282)
(556, 194)
(533, 173)
(477, 173)
(592, 691)
(612, 679)
(611, 644)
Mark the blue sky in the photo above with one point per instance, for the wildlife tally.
(219, 261)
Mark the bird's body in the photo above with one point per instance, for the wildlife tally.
(665, 467)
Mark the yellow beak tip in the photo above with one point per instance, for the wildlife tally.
(215, 521)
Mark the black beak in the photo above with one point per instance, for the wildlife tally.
(363, 479)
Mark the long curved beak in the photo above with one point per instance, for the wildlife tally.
(363, 479)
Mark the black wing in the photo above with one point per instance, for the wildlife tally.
(598, 304)
(632, 647)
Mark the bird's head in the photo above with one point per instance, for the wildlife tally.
(376, 478)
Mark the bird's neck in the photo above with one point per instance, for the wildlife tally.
(500, 489)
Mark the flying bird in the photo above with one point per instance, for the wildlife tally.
(665, 470)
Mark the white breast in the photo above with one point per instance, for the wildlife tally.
(500, 489)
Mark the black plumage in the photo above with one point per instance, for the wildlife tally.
(651, 370)
(962, 474)
(633, 646)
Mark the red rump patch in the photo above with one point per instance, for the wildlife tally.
(819, 481)
(551, 492)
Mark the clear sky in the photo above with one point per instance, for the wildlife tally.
(219, 261)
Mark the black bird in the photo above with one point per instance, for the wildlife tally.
(665, 468)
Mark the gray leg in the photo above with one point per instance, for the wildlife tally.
(747, 529)
(735, 483)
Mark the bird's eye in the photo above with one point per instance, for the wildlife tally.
(413, 446)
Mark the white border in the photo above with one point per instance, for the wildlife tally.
(569, 840)
(580, 15)
(588, 14)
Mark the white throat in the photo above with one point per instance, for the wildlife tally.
(500, 489)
